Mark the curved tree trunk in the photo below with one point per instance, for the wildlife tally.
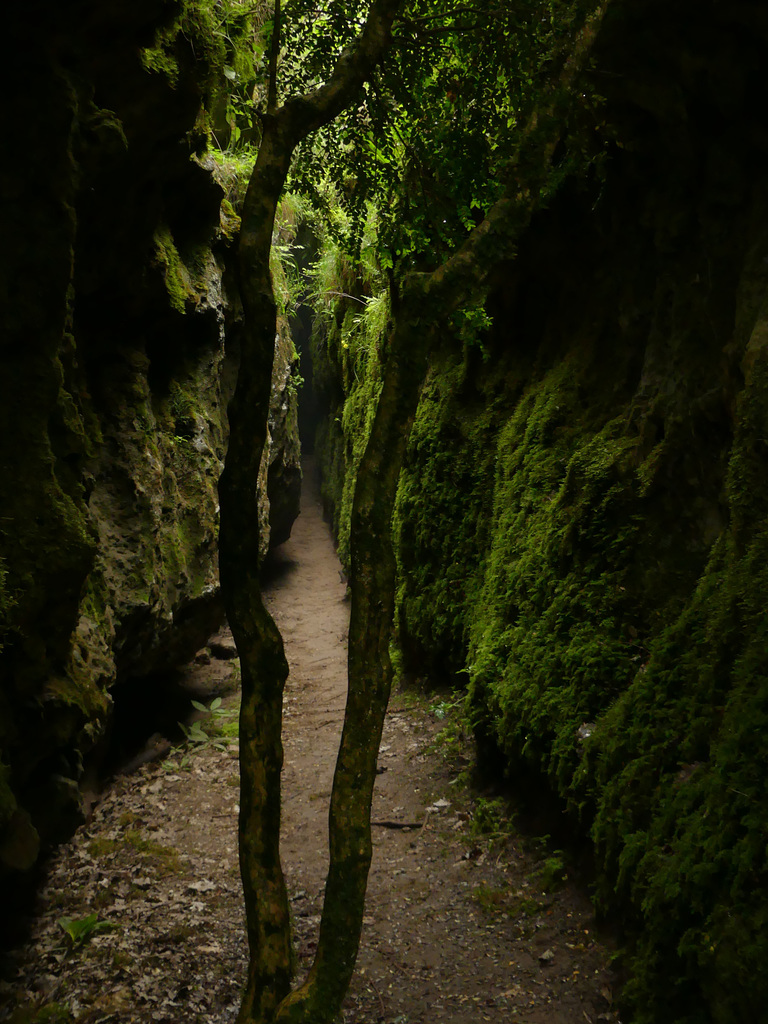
(259, 644)
(418, 314)
(372, 580)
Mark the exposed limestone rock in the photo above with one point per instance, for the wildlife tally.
(284, 477)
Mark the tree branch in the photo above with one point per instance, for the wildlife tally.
(494, 239)
(306, 113)
(274, 53)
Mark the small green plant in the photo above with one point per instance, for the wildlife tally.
(443, 708)
(491, 818)
(214, 709)
(218, 718)
(295, 381)
(33, 1013)
(78, 931)
(195, 733)
(490, 897)
(178, 761)
(552, 873)
(450, 739)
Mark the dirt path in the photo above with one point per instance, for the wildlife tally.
(464, 922)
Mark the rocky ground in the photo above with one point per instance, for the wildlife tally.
(140, 916)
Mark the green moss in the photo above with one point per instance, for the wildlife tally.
(160, 60)
(680, 766)
(164, 860)
(216, 46)
(65, 691)
(233, 172)
(100, 848)
(350, 342)
(194, 22)
(177, 280)
(51, 1013)
(441, 520)
(550, 638)
(181, 546)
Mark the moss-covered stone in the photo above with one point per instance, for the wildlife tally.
(581, 519)
(114, 381)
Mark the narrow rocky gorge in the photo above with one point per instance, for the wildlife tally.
(465, 919)
(580, 522)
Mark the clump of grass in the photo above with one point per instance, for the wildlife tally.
(490, 897)
(164, 860)
(552, 873)
(33, 1013)
(491, 818)
(499, 900)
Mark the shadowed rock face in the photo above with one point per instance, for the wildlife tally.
(117, 364)
(581, 525)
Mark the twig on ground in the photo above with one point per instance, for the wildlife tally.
(398, 824)
(372, 983)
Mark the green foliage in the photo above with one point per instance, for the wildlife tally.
(78, 931)
(352, 317)
(233, 171)
(223, 41)
(431, 140)
(491, 818)
(552, 873)
(213, 733)
(286, 279)
(453, 741)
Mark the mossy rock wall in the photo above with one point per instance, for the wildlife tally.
(581, 522)
(118, 351)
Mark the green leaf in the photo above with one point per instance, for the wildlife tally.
(80, 930)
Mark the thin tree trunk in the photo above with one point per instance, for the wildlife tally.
(418, 314)
(372, 580)
(259, 644)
